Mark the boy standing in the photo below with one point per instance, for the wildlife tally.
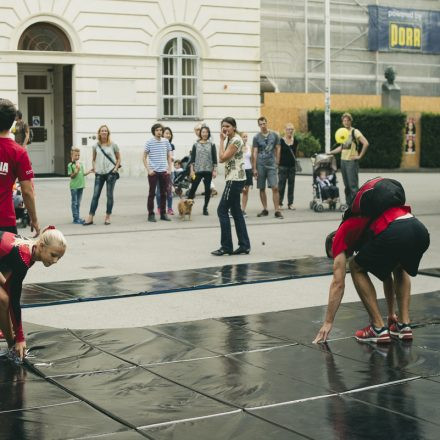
(157, 162)
(75, 170)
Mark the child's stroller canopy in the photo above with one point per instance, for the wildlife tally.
(324, 161)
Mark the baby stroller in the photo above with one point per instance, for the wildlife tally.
(327, 163)
(21, 212)
(182, 180)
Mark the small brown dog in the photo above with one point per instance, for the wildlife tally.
(185, 208)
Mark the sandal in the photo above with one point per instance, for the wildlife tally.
(88, 223)
(107, 222)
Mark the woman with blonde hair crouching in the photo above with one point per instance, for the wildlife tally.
(17, 255)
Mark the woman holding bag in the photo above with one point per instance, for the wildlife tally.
(287, 165)
(105, 163)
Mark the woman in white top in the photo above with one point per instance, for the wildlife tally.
(105, 164)
(248, 170)
(231, 154)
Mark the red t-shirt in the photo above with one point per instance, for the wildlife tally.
(14, 164)
(350, 232)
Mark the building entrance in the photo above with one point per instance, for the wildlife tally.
(44, 98)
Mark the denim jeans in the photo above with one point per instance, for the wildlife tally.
(76, 202)
(163, 180)
(100, 179)
(207, 179)
(286, 174)
(350, 175)
(231, 201)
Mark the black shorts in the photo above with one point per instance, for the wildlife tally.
(249, 178)
(403, 242)
(12, 229)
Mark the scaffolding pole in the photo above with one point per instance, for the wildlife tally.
(327, 75)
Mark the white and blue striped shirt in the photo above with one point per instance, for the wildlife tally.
(158, 154)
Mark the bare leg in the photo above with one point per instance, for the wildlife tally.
(263, 198)
(403, 292)
(366, 292)
(5, 320)
(244, 198)
(388, 289)
(276, 198)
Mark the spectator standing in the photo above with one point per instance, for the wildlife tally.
(203, 165)
(168, 134)
(21, 130)
(287, 167)
(105, 163)
(75, 169)
(265, 159)
(248, 170)
(231, 154)
(157, 162)
(14, 164)
(350, 157)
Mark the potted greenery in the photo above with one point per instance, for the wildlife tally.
(308, 145)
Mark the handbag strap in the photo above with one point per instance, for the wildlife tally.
(106, 155)
(288, 146)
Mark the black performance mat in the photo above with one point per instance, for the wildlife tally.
(62, 292)
(244, 377)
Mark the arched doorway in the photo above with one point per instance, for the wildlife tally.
(45, 99)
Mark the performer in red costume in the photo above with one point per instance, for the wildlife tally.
(17, 255)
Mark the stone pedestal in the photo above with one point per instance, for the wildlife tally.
(390, 96)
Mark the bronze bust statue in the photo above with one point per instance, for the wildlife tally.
(390, 76)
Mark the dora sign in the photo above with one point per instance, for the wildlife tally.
(405, 36)
(410, 30)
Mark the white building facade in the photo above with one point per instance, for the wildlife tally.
(73, 65)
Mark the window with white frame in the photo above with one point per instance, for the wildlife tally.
(179, 62)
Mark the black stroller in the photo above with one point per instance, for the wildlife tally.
(182, 180)
(326, 163)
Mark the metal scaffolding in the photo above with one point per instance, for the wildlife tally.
(293, 49)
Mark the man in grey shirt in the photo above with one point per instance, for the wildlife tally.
(265, 159)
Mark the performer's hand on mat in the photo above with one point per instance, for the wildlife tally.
(20, 349)
(35, 227)
(323, 333)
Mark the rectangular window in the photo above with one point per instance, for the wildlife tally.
(179, 79)
(35, 82)
(35, 106)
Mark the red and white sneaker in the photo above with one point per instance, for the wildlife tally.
(401, 331)
(392, 320)
(370, 334)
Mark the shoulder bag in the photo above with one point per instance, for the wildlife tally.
(112, 161)
(298, 167)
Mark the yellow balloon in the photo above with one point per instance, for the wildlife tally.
(341, 135)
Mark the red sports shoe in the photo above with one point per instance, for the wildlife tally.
(370, 334)
(401, 331)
